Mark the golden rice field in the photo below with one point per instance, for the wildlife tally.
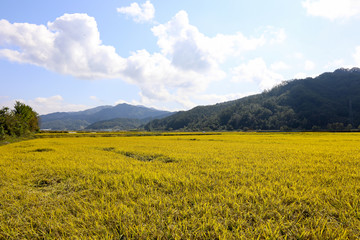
(179, 186)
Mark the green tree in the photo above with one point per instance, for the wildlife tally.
(6, 121)
(20, 121)
(28, 118)
(2, 132)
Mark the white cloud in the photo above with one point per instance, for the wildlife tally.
(356, 56)
(223, 46)
(143, 13)
(190, 49)
(43, 105)
(309, 65)
(183, 44)
(187, 62)
(332, 9)
(69, 45)
(54, 104)
(157, 76)
(256, 71)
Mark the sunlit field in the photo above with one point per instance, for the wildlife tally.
(179, 186)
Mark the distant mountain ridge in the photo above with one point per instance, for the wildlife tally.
(329, 101)
(82, 119)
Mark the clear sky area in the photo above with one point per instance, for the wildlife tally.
(170, 55)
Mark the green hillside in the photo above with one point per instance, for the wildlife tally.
(329, 101)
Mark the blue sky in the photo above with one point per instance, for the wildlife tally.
(173, 55)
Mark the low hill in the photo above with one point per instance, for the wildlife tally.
(117, 124)
(80, 120)
(331, 100)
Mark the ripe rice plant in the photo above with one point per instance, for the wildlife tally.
(182, 186)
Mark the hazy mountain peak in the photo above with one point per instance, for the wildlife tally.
(82, 119)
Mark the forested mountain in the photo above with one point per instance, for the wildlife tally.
(80, 120)
(329, 101)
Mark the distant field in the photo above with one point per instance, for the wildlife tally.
(179, 186)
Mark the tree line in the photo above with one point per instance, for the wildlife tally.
(20, 121)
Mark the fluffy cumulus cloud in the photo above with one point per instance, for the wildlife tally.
(188, 60)
(45, 105)
(190, 49)
(160, 80)
(55, 103)
(332, 9)
(69, 45)
(256, 71)
(143, 13)
(184, 44)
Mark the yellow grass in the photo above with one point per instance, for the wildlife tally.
(225, 186)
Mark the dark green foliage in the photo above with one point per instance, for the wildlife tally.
(2, 132)
(21, 121)
(324, 102)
